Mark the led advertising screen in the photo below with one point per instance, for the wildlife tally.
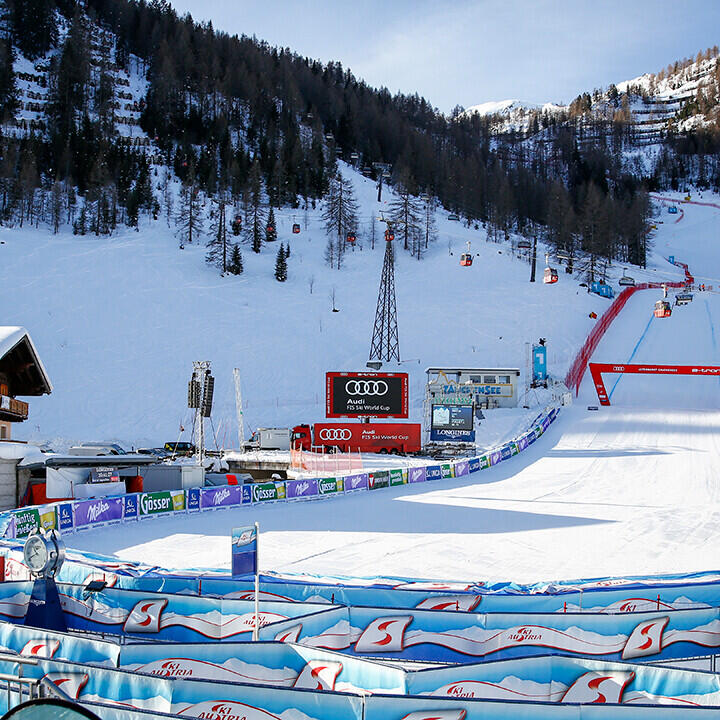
(452, 417)
(368, 394)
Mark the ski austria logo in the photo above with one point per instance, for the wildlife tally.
(245, 537)
(335, 434)
(226, 710)
(145, 616)
(366, 387)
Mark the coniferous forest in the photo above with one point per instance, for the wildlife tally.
(255, 127)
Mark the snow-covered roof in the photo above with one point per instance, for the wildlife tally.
(24, 453)
(33, 380)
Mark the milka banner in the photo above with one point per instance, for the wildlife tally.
(101, 510)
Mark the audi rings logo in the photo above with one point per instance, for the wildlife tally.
(366, 387)
(335, 434)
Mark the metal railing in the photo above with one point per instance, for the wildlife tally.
(17, 687)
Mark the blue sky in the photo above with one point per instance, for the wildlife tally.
(471, 51)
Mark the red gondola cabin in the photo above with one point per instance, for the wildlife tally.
(389, 236)
(662, 309)
(466, 259)
(550, 276)
(296, 228)
(351, 238)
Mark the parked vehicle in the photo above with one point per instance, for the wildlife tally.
(159, 453)
(177, 447)
(394, 438)
(269, 439)
(97, 448)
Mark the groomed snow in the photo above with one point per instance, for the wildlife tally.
(630, 489)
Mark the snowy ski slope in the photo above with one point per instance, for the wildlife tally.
(630, 489)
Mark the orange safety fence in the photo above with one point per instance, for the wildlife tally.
(577, 369)
(333, 463)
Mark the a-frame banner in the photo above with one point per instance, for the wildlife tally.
(597, 369)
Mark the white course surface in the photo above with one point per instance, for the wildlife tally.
(633, 488)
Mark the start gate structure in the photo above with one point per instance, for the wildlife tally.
(597, 369)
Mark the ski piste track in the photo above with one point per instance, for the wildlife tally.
(635, 485)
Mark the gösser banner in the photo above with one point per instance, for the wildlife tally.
(368, 394)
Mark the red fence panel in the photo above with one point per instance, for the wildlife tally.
(577, 369)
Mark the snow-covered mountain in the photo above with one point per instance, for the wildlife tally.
(682, 97)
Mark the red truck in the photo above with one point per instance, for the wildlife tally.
(395, 438)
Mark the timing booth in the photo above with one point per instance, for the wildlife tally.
(467, 386)
(455, 396)
(77, 476)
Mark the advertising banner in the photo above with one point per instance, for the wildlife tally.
(433, 472)
(301, 488)
(327, 486)
(545, 423)
(130, 507)
(447, 470)
(444, 435)
(268, 492)
(461, 468)
(64, 520)
(26, 521)
(47, 517)
(222, 496)
(157, 503)
(356, 482)
(192, 500)
(506, 452)
(496, 456)
(100, 510)
(246, 495)
(416, 474)
(244, 550)
(396, 477)
(522, 443)
(379, 480)
(366, 394)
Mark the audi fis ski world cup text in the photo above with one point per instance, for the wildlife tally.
(366, 394)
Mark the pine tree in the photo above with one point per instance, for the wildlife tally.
(8, 88)
(340, 214)
(218, 240)
(280, 265)
(236, 264)
(254, 210)
(33, 25)
(271, 229)
(406, 213)
(189, 218)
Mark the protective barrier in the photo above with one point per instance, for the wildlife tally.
(79, 515)
(575, 374)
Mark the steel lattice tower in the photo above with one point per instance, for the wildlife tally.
(385, 345)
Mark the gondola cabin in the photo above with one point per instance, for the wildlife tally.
(237, 224)
(683, 298)
(351, 238)
(524, 245)
(296, 228)
(550, 276)
(454, 218)
(672, 210)
(389, 236)
(626, 281)
(466, 259)
(662, 309)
